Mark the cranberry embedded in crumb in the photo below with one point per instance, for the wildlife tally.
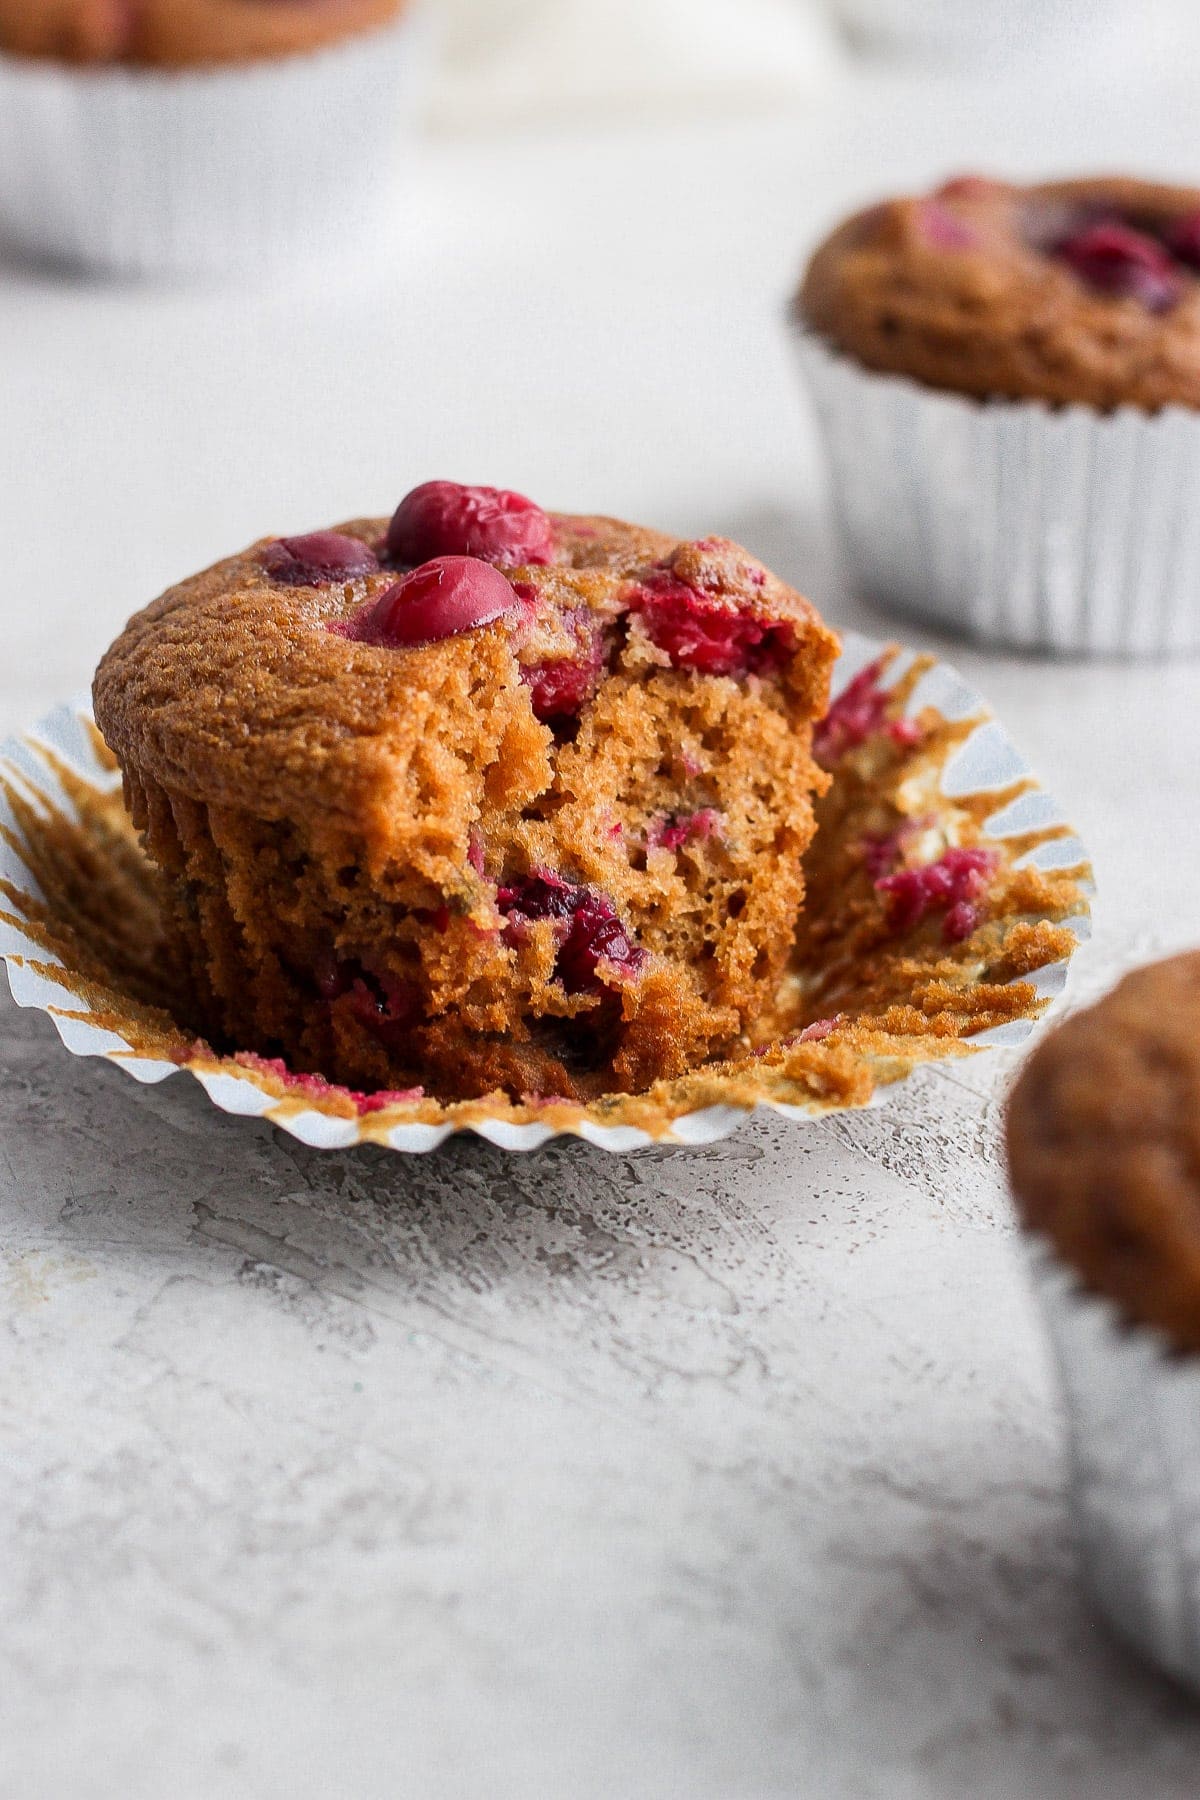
(318, 559)
(819, 1030)
(953, 883)
(859, 711)
(1115, 259)
(960, 921)
(442, 598)
(589, 930)
(560, 689)
(713, 636)
(685, 828)
(443, 518)
(1183, 240)
(388, 1007)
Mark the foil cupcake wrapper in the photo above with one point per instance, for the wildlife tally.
(1012, 522)
(147, 172)
(1133, 1417)
(42, 773)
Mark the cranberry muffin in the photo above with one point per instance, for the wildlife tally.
(1104, 1146)
(182, 33)
(144, 138)
(478, 799)
(1104, 1156)
(1070, 291)
(1007, 381)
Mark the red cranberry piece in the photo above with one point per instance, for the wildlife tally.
(957, 879)
(319, 558)
(1183, 240)
(590, 931)
(562, 688)
(966, 187)
(940, 227)
(449, 595)
(960, 921)
(685, 828)
(1115, 259)
(596, 935)
(819, 1030)
(859, 711)
(443, 518)
(559, 690)
(710, 635)
(475, 849)
(388, 1007)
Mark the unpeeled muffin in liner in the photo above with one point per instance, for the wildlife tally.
(133, 171)
(1013, 522)
(1102, 1137)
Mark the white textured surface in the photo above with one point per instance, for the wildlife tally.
(722, 1475)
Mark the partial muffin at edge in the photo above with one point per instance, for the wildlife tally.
(1081, 291)
(182, 33)
(1104, 1146)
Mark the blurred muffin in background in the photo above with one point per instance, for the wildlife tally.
(182, 33)
(1007, 379)
(1104, 1161)
(191, 137)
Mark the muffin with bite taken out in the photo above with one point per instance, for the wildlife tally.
(481, 798)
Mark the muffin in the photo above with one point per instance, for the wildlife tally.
(1104, 1156)
(1007, 380)
(196, 136)
(481, 799)
(180, 33)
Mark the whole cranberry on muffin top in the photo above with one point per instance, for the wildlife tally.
(1073, 291)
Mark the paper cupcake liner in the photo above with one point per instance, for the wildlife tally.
(61, 772)
(1133, 1414)
(148, 172)
(1014, 522)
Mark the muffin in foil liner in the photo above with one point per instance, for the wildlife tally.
(1133, 1418)
(146, 172)
(1013, 522)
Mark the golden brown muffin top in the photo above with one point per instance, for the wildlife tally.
(1071, 291)
(1104, 1146)
(241, 686)
(182, 33)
